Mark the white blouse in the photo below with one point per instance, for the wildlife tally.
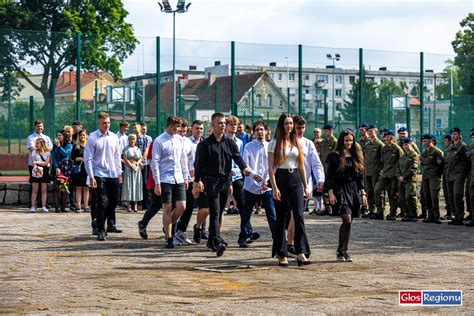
(291, 154)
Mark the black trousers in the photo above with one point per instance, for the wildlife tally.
(238, 193)
(153, 208)
(188, 212)
(217, 191)
(146, 197)
(105, 198)
(292, 200)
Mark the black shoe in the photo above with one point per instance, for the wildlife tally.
(323, 213)
(368, 215)
(253, 237)
(347, 256)
(242, 243)
(197, 234)
(101, 236)
(378, 217)
(203, 234)
(95, 230)
(63, 210)
(169, 243)
(400, 215)
(210, 245)
(142, 231)
(428, 220)
(422, 216)
(113, 229)
(437, 221)
(447, 218)
(391, 218)
(470, 223)
(456, 222)
(73, 207)
(303, 263)
(220, 248)
(340, 255)
(291, 249)
(306, 210)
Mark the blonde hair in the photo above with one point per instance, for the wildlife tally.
(43, 145)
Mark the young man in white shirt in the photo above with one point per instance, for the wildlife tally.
(104, 169)
(237, 191)
(256, 186)
(169, 166)
(122, 134)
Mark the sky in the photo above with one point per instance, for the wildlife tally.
(321, 26)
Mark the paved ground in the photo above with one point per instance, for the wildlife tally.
(49, 263)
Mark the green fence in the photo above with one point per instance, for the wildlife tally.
(342, 86)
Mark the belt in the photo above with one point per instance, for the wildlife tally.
(290, 170)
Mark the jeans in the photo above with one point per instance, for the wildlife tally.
(246, 213)
(104, 201)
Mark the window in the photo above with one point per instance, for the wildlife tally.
(307, 91)
(258, 100)
(306, 77)
(338, 93)
(319, 92)
(291, 77)
(428, 81)
(269, 100)
(352, 79)
(438, 123)
(280, 76)
(338, 79)
(322, 78)
(338, 106)
(370, 79)
(281, 103)
(382, 80)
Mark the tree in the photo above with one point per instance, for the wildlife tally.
(369, 102)
(463, 46)
(43, 34)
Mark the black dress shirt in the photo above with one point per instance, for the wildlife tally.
(214, 158)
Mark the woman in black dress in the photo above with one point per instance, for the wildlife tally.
(79, 175)
(345, 183)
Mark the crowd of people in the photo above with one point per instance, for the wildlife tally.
(243, 169)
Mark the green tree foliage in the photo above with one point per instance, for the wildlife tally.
(463, 46)
(47, 38)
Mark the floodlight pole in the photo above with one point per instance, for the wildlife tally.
(174, 63)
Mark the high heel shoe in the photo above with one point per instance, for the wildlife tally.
(282, 264)
(303, 263)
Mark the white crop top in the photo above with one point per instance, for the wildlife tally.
(291, 154)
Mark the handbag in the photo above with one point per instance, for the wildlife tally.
(37, 172)
(76, 169)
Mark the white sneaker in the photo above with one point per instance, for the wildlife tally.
(44, 210)
(176, 241)
(78, 210)
(32, 209)
(183, 238)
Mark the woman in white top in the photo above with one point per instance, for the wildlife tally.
(41, 160)
(288, 180)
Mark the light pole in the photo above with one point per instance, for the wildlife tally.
(181, 7)
(336, 57)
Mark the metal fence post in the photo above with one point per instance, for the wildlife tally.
(232, 78)
(138, 114)
(288, 100)
(216, 98)
(361, 84)
(53, 108)
(300, 79)
(96, 101)
(390, 111)
(180, 112)
(422, 93)
(78, 77)
(9, 89)
(253, 105)
(158, 85)
(407, 105)
(326, 112)
(32, 107)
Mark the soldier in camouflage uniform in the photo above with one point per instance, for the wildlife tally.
(402, 134)
(458, 161)
(449, 213)
(406, 173)
(391, 153)
(327, 146)
(372, 166)
(432, 163)
(471, 187)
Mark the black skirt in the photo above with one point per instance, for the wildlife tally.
(46, 178)
(347, 199)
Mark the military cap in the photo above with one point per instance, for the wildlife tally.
(455, 130)
(402, 129)
(364, 126)
(407, 140)
(372, 126)
(327, 126)
(389, 132)
(448, 137)
(427, 136)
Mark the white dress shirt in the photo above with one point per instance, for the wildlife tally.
(123, 140)
(188, 149)
(236, 172)
(312, 162)
(256, 157)
(149, 141)
(31, 142)
(169, 161)
(102, 155)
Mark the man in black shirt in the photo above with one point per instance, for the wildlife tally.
(212, 174)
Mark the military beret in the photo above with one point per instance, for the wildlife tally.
(350, 130)
(472, 133)
(407, 140)
(364, 126)
(389, 132)
(327, 126)
(384, 130)
(448, 137)
(427, 136)
(455, 130)
(402, 129)
(372, 126)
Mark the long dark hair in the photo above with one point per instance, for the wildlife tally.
(280, 137)
(355, 151)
